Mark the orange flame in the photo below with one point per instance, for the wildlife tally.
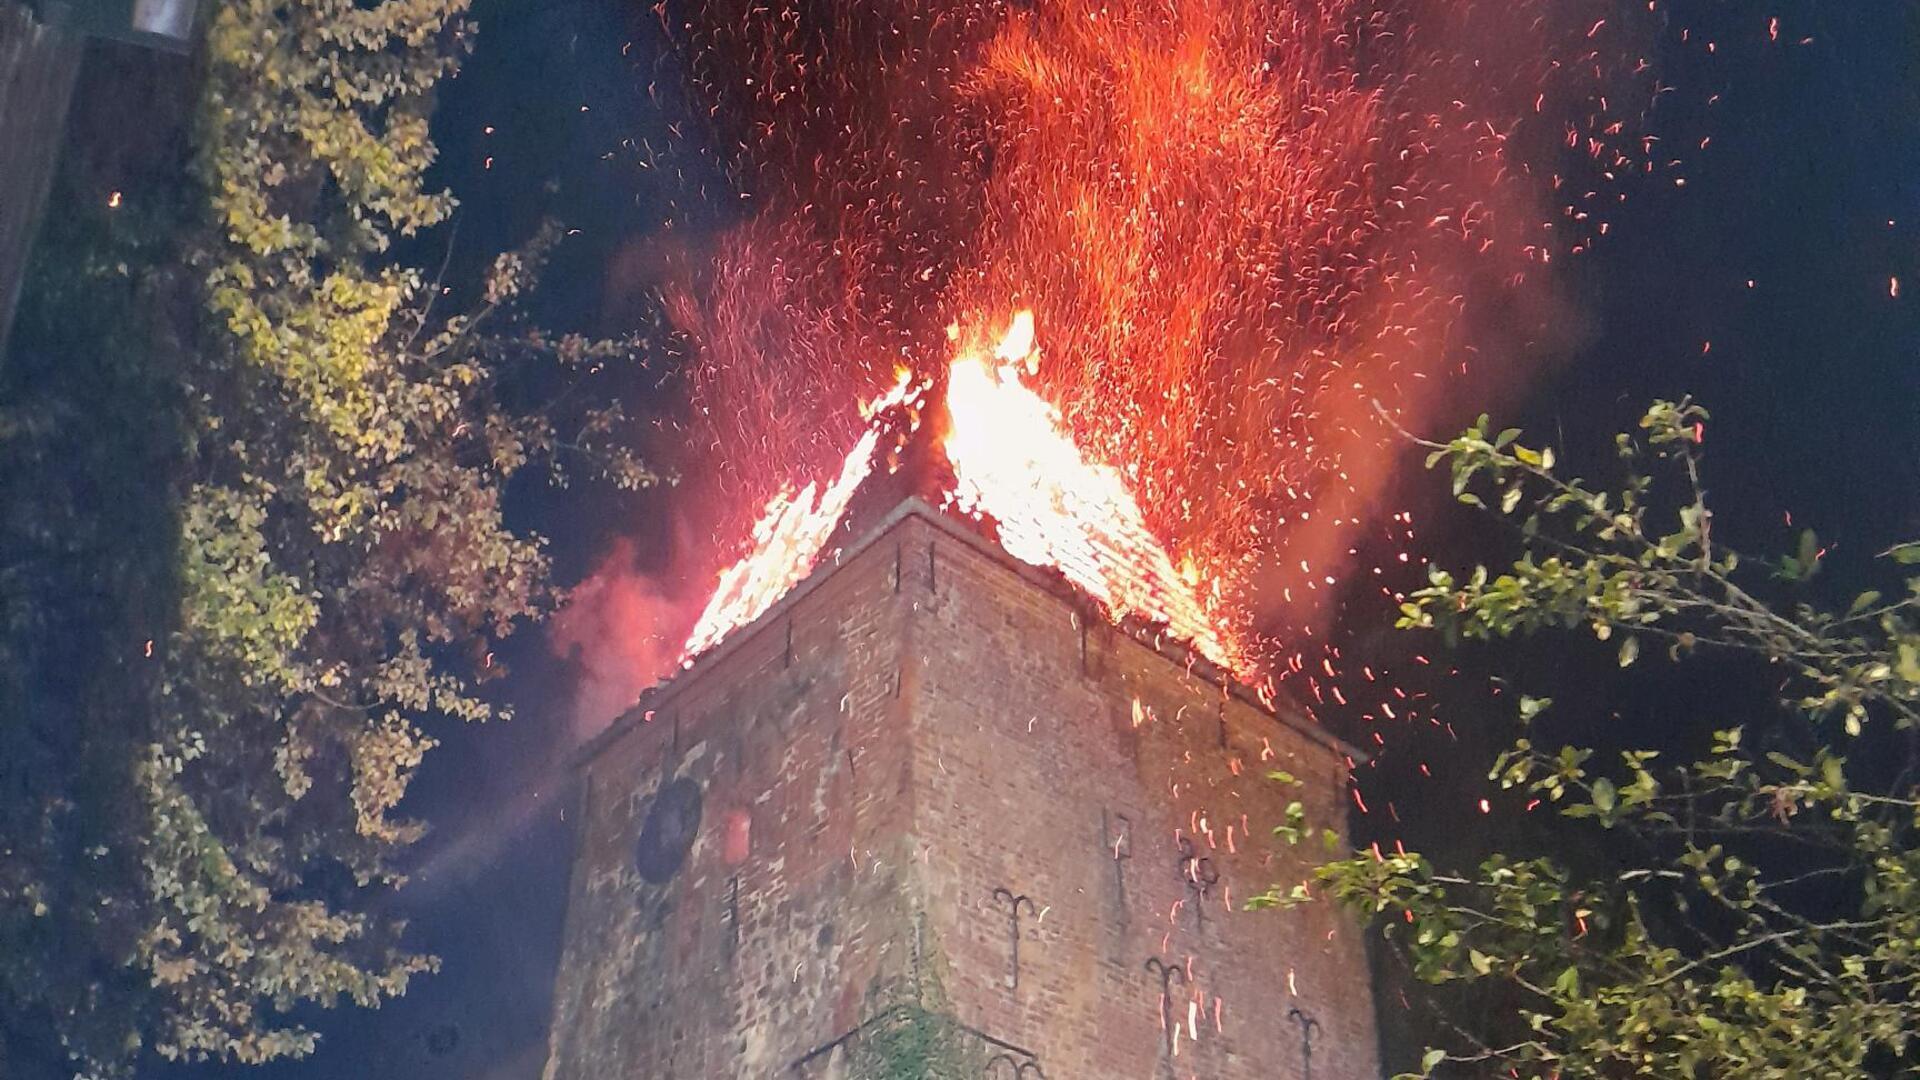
(1013, 465)
(788, 538)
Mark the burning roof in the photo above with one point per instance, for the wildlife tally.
(991, 450)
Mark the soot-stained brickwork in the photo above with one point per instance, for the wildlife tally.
(932, 812)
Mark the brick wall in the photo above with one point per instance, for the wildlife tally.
(1034, 767)
(734, 969)
(927, 724)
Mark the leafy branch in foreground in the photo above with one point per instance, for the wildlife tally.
(1767, 920)
(202, 827)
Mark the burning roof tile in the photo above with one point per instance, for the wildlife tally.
(987, 448)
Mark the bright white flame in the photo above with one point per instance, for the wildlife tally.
(788, 538)
(1013, 463)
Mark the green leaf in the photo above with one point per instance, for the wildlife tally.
(1629, 651)
(1568, 983)
(1808, 558)
(1907, 662)
(1531, 707)
(1431, 1060)
(1604, 796)
(1481, 962)
(1788, 763)
(1907, 554)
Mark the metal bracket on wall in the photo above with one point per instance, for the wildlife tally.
(733, 915)
(1006, 896)
(1308, 1025)
(1200, 876)
(1118, 831)
(1015, 1068)
(1169, 974)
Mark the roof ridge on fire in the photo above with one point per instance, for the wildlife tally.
(976, 441)
(976, 450)
(967, 531)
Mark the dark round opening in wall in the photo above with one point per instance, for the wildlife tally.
(673, 819)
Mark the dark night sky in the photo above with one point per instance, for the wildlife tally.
(1813, 378)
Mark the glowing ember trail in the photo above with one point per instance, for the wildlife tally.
(1014, 462)
(788, 538)
(1252, 231)
(1014, 467)
(1247, 228)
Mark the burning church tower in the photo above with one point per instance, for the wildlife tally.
(956, 781)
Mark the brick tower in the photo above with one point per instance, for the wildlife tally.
(934, 813)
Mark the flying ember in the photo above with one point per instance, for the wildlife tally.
(1250, 229)
(1014, 468)
(789, 537)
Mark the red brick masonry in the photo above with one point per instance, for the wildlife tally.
(907, 732)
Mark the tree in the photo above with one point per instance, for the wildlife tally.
(287, 552)
(1764, 919)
